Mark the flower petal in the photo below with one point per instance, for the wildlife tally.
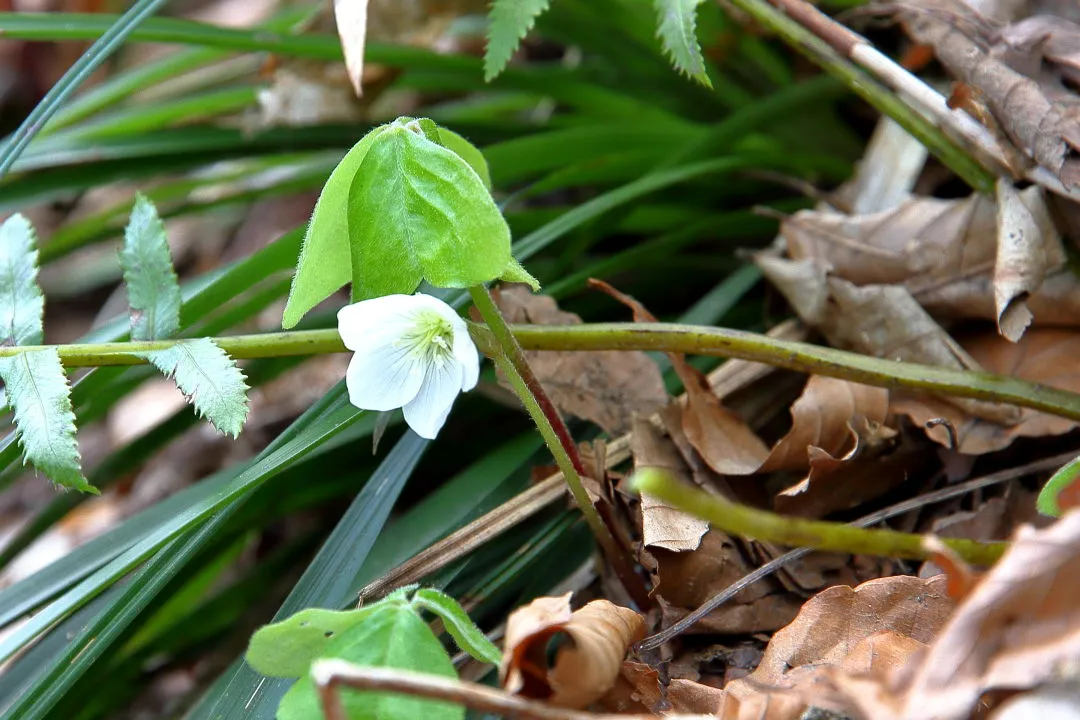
(427, 412)
(362, 323)
(383, 376)
(466, 354)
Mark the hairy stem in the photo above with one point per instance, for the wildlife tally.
(797, 532)
(511, 360)
(666, 337)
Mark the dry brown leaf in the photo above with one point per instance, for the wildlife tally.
(662, 526)
(1048, 131)
(683, 581)
(585, 668)
(607, 387)
(1028, 247)
(725, 442)
(880, 320)
(823, 416)
(1017, 629)
(1050, 357)
(831, 624)
(840, 483)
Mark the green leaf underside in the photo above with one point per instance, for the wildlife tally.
(1047, 502)
(418, 211)
(392, 636)
(38, 390)
(678, 33)
(21, 301)
(508, 24)
(287, 648)
(209, 378)
(458, 623)
(325, 264)
(152, 288)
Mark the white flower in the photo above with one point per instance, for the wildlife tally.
(412, 352)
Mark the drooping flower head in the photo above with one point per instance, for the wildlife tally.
(410, 351)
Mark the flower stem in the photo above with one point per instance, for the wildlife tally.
(511, 360)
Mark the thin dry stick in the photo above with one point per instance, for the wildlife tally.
(1051, 463)
(331, 675)
(929, 101)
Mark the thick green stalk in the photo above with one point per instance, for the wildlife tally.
(666, 337)
(797, 532)
(511, 360)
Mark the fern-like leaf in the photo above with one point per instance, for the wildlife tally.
(21, 302)
(152, 287)
(209, 378)
(508, 23)
(677, 29)
(38, 390)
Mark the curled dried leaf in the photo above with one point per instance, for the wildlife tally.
(585, 667)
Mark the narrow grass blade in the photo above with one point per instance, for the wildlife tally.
(73, 78)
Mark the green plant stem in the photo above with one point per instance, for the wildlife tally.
(797, 532)
(818, 51)
(511, 360)
(666, 337)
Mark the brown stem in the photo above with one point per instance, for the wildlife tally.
(332, 674)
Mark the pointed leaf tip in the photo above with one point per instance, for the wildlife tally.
(38, 390)
(21, 302)
(209, 378)
(152, 288)
(677, 28)
(508, 24)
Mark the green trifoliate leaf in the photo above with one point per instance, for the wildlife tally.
(508, 23)
(209, 378)
(38, 390)
(287, 648)
(392, 636)
(152, 288)
(458, 623)
(678, 33)
(419, 211)
(467, 152)
(325, 263)
(21, 301)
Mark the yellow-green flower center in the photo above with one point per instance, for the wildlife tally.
(431, 337)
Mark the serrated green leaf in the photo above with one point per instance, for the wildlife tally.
(677, 29)
(509, 22)
(21, 301)
(392, 636)
(152, 288)
(38, 390)
(418, 211)
(458, 623)
(209, 378)
(324, 265)
(287, 648)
